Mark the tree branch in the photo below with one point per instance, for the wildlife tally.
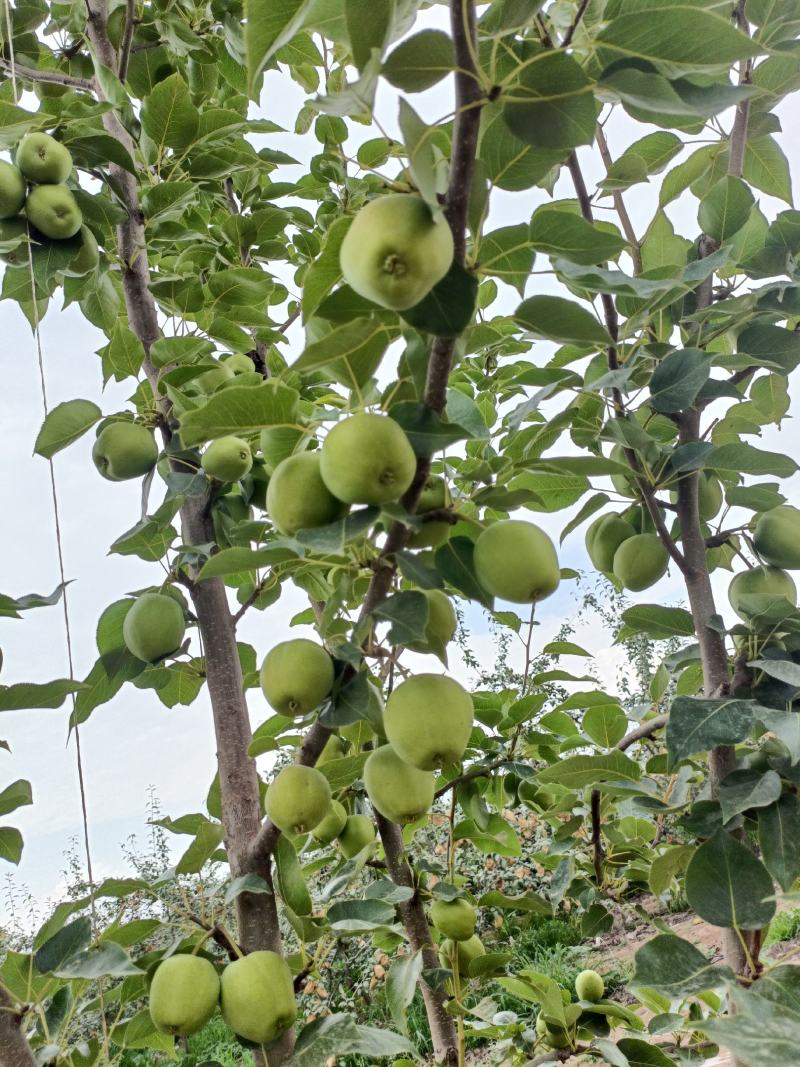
(127, 40)
(619, 206)
(51, 77)
(645, 729)
(470, 775)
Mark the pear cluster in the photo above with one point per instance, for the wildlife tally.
(255, 993)
(579, 1021)
(756, 594)
(35, 200)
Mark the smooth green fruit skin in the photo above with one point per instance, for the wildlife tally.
(623, 483)
(153, 627)
(335, 747)
(332, 825)
(124, 450)
(43, 159)
(467, 950)
(86, 258)
(358, 832)
(367, 459)
(298, 498)
(760, 581)
(441, 625)
(395, 252)
(296, 676)
(709, 496)
(428, 720)
(516, 561)
(454, 918)
(431, 534)
(400, 792)
(258, 997)
(184, 995)
(589, 986)
(53, 211)
(227, 459)
(640, 561)
(604, 537)
(298, 799)
(12, 190)
(777, 537)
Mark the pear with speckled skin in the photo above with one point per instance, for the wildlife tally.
(298, 799)
(296, 676)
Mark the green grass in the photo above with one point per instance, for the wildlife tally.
(784, 927)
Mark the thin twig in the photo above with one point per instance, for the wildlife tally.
(619, 206)
(127, 40)
(53, 77)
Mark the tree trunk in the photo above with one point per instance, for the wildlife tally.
(14, 1048)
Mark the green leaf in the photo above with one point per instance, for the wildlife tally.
(676, 968)
(767, 168)
(267, 28)
(206, 842)
(640, 1053)
(747, 788)
(725, 208)
(678, 379)
(676, 33)
(123, 355)
(401, 985)
(697, 725)
(339, 1035)
(241, 560)
(16, 795)
(65, 424)
(331, 540)
(659, 622)
(667, 866)
(745, 459)
(553, 107)
(324, 272)
(420, 61)
(454, 562)
(448, 308)
(291, 881)
(354, 346)
(246, 883)
(240, 410)
(508, 254)
(577, 772)
(727, 885)
(62, 946)
(11, 844)
(605, 726)
(11, 607)
(510, 163)
(553, 318)
(408, 614)
(527, 902)
(770, 346)
(761, 1030)
(108, 960)
(649, 155)
(493, 836)
(779, 839)
(422, 158)
(368, 27)
(169, 118)
(560, 232)
(25, 695)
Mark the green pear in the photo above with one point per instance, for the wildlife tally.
(153, 627)
(625, 484)
(767, 583)
(428, 720)
(434, 496)
(12, 190)
(709, 496)
(396, 251)
(441, 625)
(465, 951)
(400, 792)
(124, 450)
(43, 159)
(240, 363)
(86, 258)
(603, 538)
(298, 799)
(258, 997)
(329, 828)
(777, 537)
(335, 747)
(455, 919)
(640, 561)
(184, 995)
(589, 986)
(53, 211)
(516, 561)
(358, 833)
(298, 498)
(227, 459)
(367, 459)
(210, 380)
(296, 676)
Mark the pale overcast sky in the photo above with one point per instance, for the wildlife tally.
(134, 742)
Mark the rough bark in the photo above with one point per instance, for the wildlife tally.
(257, 914)
(14, 1048)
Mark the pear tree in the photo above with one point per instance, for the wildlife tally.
(553, 304)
